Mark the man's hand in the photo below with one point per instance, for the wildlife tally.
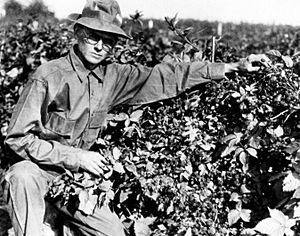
(251, 63)
(94, 163)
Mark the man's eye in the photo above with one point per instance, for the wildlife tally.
(94, 37)
(108, 41)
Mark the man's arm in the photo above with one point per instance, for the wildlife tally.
(140, 85)
(25, 140)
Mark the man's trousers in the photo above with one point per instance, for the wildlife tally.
(25, 188)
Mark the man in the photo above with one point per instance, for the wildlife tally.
(64, 105)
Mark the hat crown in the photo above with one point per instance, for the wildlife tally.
(103, 10)
(101, 15)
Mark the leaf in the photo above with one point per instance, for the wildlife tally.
(188, 232)
(206, 147)
(296, 211)
(228, 138)
(278, 131)
(118, 167)
(141, 229)
(242, 91)
(296, 194)
(161, 227)
(235, 94)
(235, 197)
(124, 196)
(274, 53)
(136, 115)
(233, 216)
(288, 62)
(291, 182)
(293, 147)
(187, 30)
(270, 227)
(252, 152)
(141, 226)
(116, 153)
(245, 215)
(192, 133)
(147, 221)
(276, 225)
(244, 160)
(189, 169)
(105, 186)
(170, 208)
(245, 190)
(43, 60)
(130, 167)
(101, 141)
(120, 117)
(13, 73)
(87, 202)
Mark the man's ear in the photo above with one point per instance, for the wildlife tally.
(77, 28)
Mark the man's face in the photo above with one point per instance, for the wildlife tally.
(93, 45)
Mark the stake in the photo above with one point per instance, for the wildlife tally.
(213, 49)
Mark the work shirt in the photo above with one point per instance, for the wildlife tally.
(63, 106)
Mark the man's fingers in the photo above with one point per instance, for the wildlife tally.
(259, 58)
(253, 68)
(96, 171)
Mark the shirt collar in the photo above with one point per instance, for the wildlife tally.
(81, 71)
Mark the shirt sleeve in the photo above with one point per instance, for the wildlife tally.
(142, 85)
(26, 126)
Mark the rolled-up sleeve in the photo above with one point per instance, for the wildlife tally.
(26, 126)
(142, 85)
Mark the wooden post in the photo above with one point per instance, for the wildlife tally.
(213, 49)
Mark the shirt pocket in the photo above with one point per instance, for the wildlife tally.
(98, 119)
(60, 125)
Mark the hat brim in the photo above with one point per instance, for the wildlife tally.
(95, 24)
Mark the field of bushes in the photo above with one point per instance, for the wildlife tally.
(219, 160)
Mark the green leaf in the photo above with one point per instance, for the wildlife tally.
(120, 117)
(130, 167)
(118, 167)
(124, 196)
(116, 153)
(279, 131)
(274, 53)
(141, 226)
(245, 215)
(233, 216)
(13, 73)
(141, 229)
(244, 160)
(228, 138)
(188, 232)
(292, 147)
(105, 186)
(291, 182)
(87, 202)
(276, 225)
(252, 152)
(136, 115)
(288, 62)
(170, 208)
(270, 227)
(235, 197)
(235, 94)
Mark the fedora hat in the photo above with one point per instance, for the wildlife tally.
(101, 15)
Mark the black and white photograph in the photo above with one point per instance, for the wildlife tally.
(149, 118)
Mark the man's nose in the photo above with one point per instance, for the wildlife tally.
(99, 45)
